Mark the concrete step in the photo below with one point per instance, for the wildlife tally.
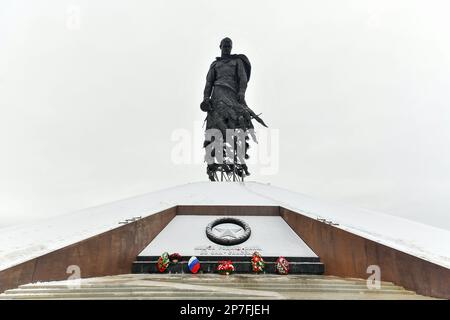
(131, 293)
(137, 297)
(286, 283)
(234, 278)
(209, 295)
(198, 285)
(239, 277)
(100, 290)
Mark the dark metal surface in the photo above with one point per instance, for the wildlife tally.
(224, 210)
(224, 241)
(227, 111)
(241, 264)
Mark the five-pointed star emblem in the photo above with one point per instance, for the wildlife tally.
(228, 232)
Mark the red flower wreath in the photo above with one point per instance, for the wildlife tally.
(225, 267)
(282, 266)
(175, 257)
(258, 263)
(163, 262)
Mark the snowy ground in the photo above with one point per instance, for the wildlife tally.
(24, 242)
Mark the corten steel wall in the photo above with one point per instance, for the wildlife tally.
(221, 210)
(348, 255)
(109, 253)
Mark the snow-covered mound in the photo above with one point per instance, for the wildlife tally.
(24, 242)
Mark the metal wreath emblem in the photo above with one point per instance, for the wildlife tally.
(228, 242)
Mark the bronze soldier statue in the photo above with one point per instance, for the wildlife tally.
(224, 102)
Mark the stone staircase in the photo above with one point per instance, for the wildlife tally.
(209, 286)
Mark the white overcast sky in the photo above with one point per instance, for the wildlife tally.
(359, 92)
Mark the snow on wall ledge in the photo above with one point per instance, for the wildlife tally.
(25, 242)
